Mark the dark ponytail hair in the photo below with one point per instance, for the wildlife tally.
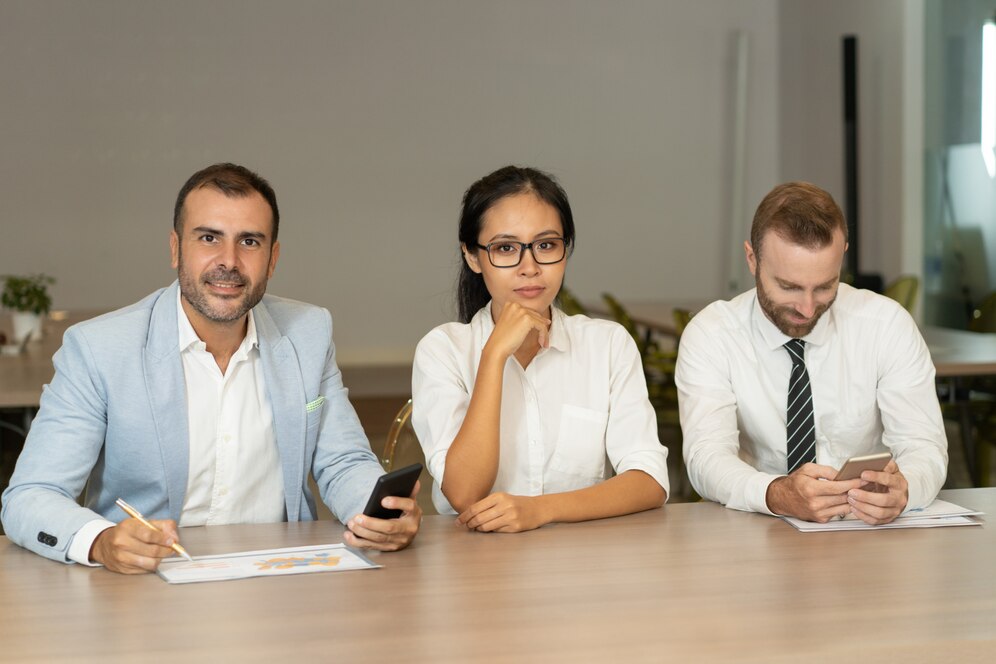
(472, 294)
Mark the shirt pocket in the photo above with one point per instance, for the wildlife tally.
(580, 448)
(853, 433)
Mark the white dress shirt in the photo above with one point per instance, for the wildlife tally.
(235, 474)
(578, 412)
(873, 390)
(234, 467)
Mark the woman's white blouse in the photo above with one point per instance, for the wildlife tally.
(575, 415)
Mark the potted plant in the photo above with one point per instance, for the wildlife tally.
(28, 299)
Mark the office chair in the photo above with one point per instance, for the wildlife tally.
(403, 449)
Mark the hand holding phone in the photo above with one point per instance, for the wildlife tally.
(853, 467)
(399, 482)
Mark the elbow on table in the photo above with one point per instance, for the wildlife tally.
(659, 498)
(461, 499)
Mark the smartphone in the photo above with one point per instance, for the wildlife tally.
(399, 482)
(853, 467)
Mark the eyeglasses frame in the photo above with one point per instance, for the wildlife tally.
(522, 251)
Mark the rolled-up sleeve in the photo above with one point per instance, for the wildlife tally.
(440, 398)
(631, 441)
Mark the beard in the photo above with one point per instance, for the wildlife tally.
(781, 316)
(219, 309)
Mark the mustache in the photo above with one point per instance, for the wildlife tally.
(226, 276)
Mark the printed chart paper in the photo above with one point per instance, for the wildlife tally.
(271, 562)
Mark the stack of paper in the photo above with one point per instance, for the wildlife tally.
(939, 513)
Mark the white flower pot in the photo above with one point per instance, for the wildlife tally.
(25, 322)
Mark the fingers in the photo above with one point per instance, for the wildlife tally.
(369, 532)
(825, 486)
(514, 325)
(802, 494)
(889, 480)
(816, 471)
(487, 520)
(168, 528)
(883, 503)
(831, 507)
(502, 512)
(872, 514)
(131, 547)
(469, 514)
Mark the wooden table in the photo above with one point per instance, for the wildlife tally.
(693, 581)
(960, 352)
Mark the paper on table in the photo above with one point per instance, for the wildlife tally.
(270, 562)
(938, 514)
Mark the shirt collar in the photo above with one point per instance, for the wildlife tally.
(775, 338)
(187, 337)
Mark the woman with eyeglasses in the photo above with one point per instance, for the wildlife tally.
(526, 415)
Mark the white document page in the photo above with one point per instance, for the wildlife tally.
(938, 514)
(271, 562)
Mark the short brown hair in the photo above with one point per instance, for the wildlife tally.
(233, 181)
(801, 213)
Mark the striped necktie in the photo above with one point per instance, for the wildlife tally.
(800, 427)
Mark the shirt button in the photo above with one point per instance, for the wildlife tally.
(223, 491)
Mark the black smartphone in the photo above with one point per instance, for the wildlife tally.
(399, 482)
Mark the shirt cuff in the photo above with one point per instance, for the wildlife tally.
(79, 548)
(757, 492)
(916, 495)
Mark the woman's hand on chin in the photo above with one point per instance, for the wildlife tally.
(514, 326)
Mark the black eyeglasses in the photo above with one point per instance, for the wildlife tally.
(508, 253)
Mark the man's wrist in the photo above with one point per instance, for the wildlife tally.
(773, 495)
(81, 546)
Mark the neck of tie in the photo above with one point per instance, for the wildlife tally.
(800, 427)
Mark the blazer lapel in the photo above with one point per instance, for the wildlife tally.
(168, 397)
(285, 389)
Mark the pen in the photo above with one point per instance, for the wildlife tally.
(135, 514)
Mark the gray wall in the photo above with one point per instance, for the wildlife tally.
(811, 134)
(370, 119)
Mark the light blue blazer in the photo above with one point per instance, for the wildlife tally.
(116, 414)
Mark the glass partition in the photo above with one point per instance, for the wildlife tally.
(960, 172)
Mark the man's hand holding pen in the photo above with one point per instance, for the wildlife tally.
(131, 547)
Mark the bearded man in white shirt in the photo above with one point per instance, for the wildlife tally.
(767, 420)
(205, 403)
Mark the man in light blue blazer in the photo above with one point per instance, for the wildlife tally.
(204, 403)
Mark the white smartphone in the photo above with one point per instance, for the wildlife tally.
(853, 467)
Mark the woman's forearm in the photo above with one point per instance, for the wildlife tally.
(472, 459)
(632, 491)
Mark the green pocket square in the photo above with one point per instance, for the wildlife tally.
(315, 405)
